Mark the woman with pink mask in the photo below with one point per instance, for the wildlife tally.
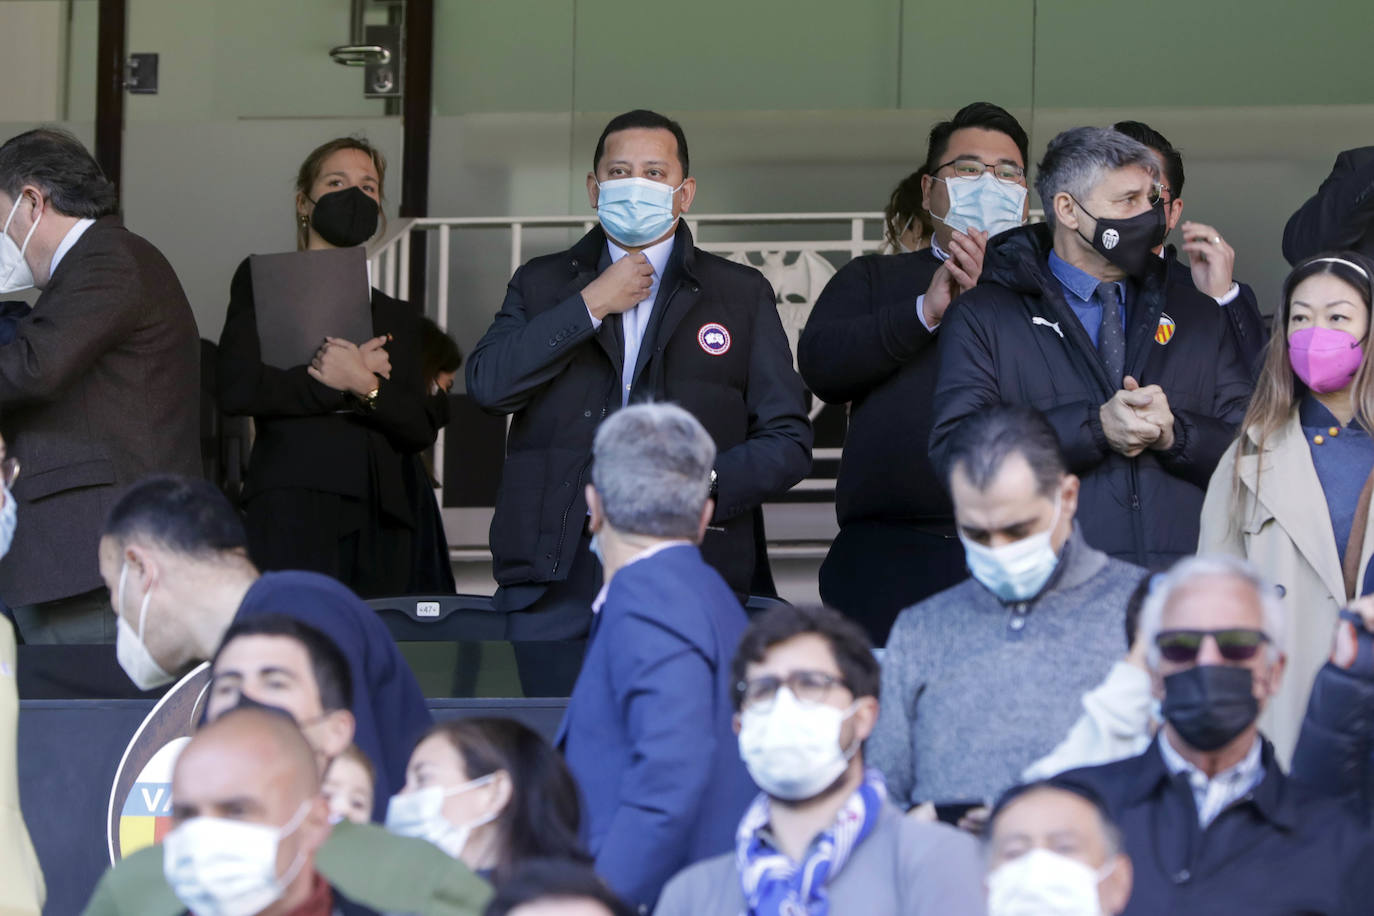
(1292, 493)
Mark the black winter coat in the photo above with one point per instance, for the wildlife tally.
(1013, 339)
(1340, 215)
(543, 362)
(1279, 851)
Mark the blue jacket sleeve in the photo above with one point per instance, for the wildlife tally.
(664, 687)
(1337, 737)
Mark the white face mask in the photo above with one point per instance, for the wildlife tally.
(1044, 883)
(792, 749)
(219, 867)
(1015, 571)
(986, 202)
(133, 655)
(420, 814)
(15, 274)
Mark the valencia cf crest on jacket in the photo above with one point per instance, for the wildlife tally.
(1165, 331)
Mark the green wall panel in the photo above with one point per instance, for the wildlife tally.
(503, 56)
(954, 54)
(728, 55)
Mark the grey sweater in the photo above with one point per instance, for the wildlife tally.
(903, 868)
(975, 689)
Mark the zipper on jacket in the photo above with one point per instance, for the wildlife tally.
(1137, 520)
(563, 529)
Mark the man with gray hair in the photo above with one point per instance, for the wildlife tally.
(648, 732)
(1139, 377)
(1211, 823)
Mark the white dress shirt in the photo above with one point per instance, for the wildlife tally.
(68, 240)
(1215, 795)
(635, 322)
(943, 255)
(642, 555)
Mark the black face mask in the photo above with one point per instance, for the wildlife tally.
(1129, 243)
(345, 218)
(1209, 705)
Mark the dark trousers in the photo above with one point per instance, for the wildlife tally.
(876, 569)
(549, 625)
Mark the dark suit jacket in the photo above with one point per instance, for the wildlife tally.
(1280, 849)
(1340, 215)
(648, 730)
(307, 435)
(542, 361)
(98, 388)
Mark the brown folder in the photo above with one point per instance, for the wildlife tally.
(301, 297)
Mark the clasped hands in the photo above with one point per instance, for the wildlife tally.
(349, 367)
(1137, 418)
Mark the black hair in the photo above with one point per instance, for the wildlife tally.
(554, 879)
(183, 514)
(327, 663)
(984, 440)
(1110, 831)
(58, 165)
(984, 115)
(1135, 602)
(848, 644)
(643, 118)
(1173, 159)
(1336, 263)
(438, 351)
(904, 208)
(544, 815)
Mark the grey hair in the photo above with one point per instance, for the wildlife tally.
(1076, 160)
(1189, 570)
(651, 465)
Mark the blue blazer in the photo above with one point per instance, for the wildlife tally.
(648, 732)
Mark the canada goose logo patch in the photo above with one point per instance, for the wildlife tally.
(1165, 331)
(714, 339)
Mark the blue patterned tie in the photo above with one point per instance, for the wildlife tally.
(1111, 338)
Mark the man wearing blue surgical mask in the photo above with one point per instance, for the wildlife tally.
(871, 343)
(634, 311)
(1002, 659)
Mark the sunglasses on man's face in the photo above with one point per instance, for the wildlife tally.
(1238, 644)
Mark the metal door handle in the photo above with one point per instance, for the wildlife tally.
(360, 55)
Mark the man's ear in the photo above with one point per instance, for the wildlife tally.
(865, 717)
(926, 182)
(315, 827)
(1068, 496)
(143, 566)
(735, 723)
(686, 194)
(593, 190)
(335, 732)
(1173, 212)
(1065, 212)
(1116, 887)
(707, 511)
(595, 512)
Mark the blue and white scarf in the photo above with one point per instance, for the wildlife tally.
(773, 884)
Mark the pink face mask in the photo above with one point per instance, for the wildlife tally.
(1325, 359)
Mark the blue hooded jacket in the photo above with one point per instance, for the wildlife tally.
(387, 703)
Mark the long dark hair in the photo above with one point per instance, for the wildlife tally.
(544, 815)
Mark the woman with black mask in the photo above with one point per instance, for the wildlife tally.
(325, 487)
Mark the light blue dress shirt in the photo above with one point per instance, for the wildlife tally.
(1080, 291)
(635, 322)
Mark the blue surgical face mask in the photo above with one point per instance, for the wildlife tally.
(986, 202)
(1015, 571)
(635, 211)
(9, 520)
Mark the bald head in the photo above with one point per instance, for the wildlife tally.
(246, 755)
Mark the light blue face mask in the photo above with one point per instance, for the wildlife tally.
(635, 211)
(9, 519)
(1015, 571)
(986, 202)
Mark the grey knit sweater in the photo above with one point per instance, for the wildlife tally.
(975, 689)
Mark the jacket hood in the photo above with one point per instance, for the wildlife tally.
(1018, 258)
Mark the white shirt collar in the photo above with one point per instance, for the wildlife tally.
(657, 253)
(937, 250)
(1214, 795)
(642, 555)
(70, 239)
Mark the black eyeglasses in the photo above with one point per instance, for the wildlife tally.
(807, 686)
(1238, 644)
(971, 167)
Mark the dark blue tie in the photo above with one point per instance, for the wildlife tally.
(1111, 338)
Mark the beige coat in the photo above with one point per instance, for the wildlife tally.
(1281, 525)
(21, 881)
